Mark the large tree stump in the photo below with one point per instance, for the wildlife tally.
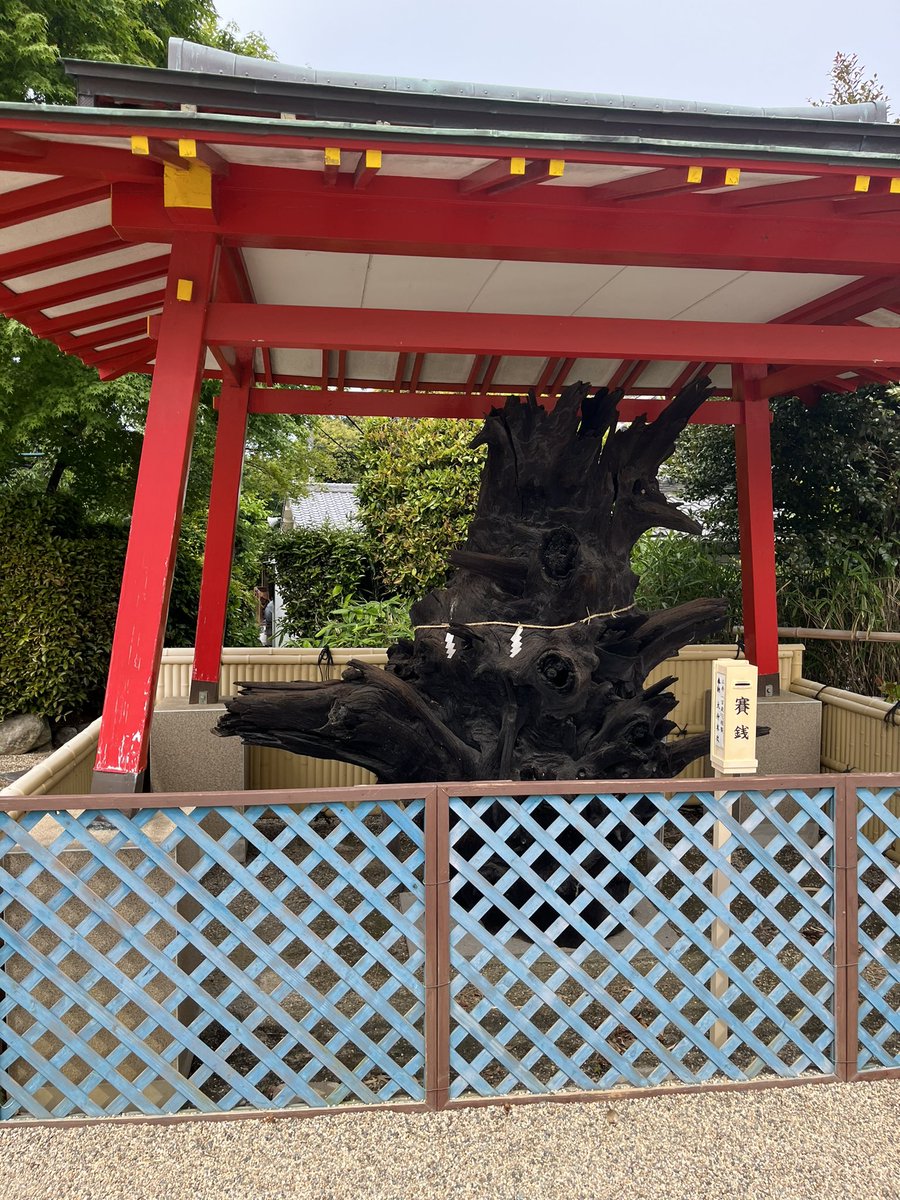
(531, 663)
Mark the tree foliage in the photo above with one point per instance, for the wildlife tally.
(59, 591)
(35, 34)
(417, 489)
(849, 83)
(836, 492)
(315, 569)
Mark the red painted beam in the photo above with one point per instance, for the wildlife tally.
(66, 158)
(651, 183)
(90, 317)
(819, 188)
(85, 285)
(155, 522)
(787, 381)
(47, 255)
(289, 326)
(424, 217)
(463, 404)
(224, 496)
(535, 172)
(47, 199)
(757, 529)
(845, 303)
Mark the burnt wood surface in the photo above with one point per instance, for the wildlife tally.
(531, 662)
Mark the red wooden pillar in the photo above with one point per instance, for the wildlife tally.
(757, 526)
(224, 495)
(156, 516)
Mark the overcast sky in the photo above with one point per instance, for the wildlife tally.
(760, 52)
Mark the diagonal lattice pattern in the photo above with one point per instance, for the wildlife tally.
(211, 958)
(878, 831)
(638, 939)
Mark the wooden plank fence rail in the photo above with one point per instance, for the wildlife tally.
(180, 956)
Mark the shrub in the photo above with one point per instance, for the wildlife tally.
(353, 622)
(58, 596)
(417, 491)
(312, 568)
(677, 567)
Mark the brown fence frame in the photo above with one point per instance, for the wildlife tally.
(438, 925)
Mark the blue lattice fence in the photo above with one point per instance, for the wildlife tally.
(211, 958)
(701, 942)
(878, 882)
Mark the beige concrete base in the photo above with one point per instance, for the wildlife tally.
(794, 743)
(186, 756)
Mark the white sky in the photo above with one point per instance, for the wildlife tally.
(758, 52)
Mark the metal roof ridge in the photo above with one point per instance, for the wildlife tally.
(193, 57)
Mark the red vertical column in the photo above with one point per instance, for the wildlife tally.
(156, 516)
(224, 496)
(757, 526)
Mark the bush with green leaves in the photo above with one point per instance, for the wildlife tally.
(836, 488)
(417, 490)
(676, 567)
(315, 566)
(59, 590)
(354, 622)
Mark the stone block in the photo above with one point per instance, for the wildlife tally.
(794, 744)
(186, 756)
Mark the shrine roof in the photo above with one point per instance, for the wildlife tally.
(452, 240)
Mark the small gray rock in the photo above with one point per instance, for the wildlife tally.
(20, 734)
(64, 734)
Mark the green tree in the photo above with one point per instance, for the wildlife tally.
(836, 494)
(417, 489)
(35, 35)
(849, 84)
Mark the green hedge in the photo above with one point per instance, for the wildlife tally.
(314, 568)
(59, 589)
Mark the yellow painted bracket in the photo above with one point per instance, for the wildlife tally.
(140, 144)
(189, 186)
(732, 176)
(861, 183)
(557, 167)
(695, 175)
(184, 289)
(332, 156)
(517, 166)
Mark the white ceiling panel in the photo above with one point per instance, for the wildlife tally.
(78, 139)
(16, 181)
(720, 376)
(881, 318)
(87, 266)
(446, 368)
(297, 362)
(658, 293)
(552, 289)
(427, 167)
(59, 225)
(99, 327)
(371, 364)
(104, 298)
(518, 371)
(590, 175)
(307, 277)
(137, 337)
(436, 284)
(762, 296)
(272, 156)
(754, 179)
(660, 374)
(596, 371)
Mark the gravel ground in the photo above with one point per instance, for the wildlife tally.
(802, 1143)
(14, 765)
